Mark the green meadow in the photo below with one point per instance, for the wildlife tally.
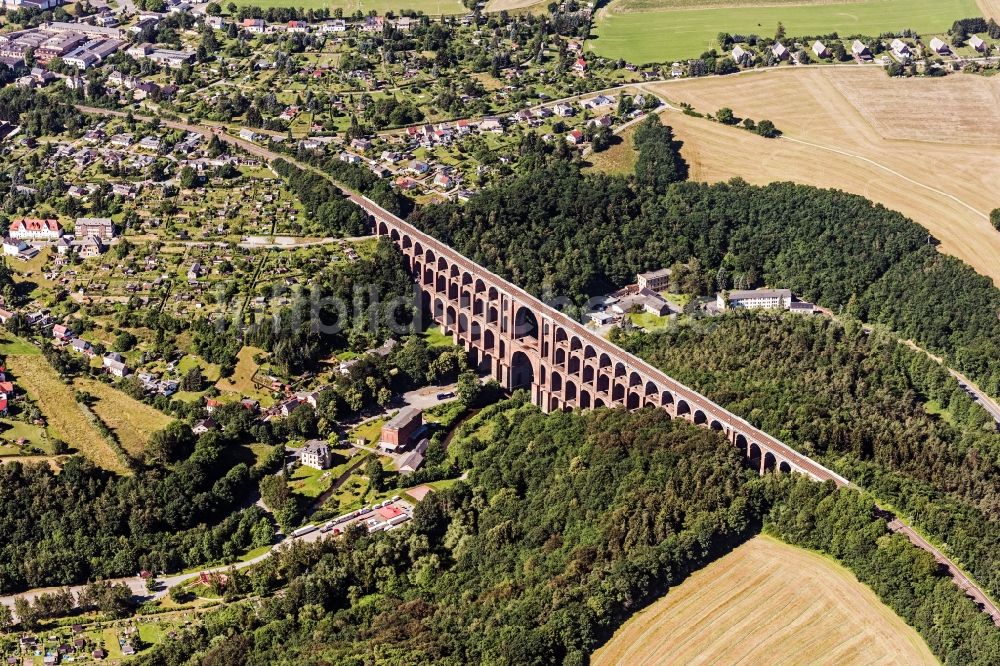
(672, 32)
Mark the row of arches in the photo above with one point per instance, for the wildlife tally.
(567, 371)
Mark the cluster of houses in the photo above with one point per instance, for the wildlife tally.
(411, 174)
(646, 296)
(26, 235)
(65, 649)
(7, 390)
(369, 24)
(898, 49)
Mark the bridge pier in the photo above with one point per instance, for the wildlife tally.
(524, 343)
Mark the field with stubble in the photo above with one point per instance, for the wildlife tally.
(929, 148)
(766, 602)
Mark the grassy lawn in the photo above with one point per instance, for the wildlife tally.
(666, 30)
(310, 482)
(242, 380)
(935, 408)
(66, 420)
(370, 431)
(11, 344)
(648, 321)
(133, 421)
(209, 370)
(11, 431)
(435, 338)
(430, 7)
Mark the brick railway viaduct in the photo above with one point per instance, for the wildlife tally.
(527, 344)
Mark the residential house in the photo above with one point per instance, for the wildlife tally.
(89, 246)
(575, 137)
(820, 49)
(203, 426)
(741, 55)
(81, 346)
(255, 26)
(315, 454)
(900, 48)
(779, 51)
(860, 50)
(114, 363)
(60, 332)
(939, 47)
(979, 44)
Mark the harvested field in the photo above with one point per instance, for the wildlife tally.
(947, 187)
(132, 421)
(767, 602)
(990, 8)
(66, 420)
(642, 31)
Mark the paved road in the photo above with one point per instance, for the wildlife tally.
(957, 575)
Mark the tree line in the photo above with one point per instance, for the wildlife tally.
(886, 417)
(579, 235)
(568, 525)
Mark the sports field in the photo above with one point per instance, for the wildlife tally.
(766, 602)
(429, 7)
(929, 148)
(645, 31)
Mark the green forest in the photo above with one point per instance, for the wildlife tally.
(579, 235)
(886, 417)
(85, 523)
(568, 524)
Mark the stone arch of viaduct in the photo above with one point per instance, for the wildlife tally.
(527, 344)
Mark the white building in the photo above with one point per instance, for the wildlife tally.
(315, 454)
(34, 229)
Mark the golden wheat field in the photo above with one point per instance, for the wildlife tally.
(929, 148)
(766, 602)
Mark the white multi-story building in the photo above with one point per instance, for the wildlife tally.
(315, 454)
